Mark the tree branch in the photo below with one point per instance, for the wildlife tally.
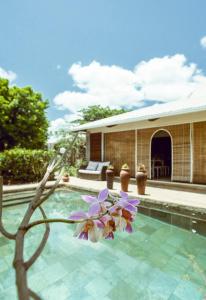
(39, 222)
(34, 295)
(44, 198)
(42, 244)
(60, 220)
(40, 188)
(21, 267)
(7, 234)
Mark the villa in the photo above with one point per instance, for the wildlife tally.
(169, 139)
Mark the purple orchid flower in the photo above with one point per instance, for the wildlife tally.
(104, 217)
(79, 215)
(128, 227)
(96, 203)
(89, 229)
(110, 236)
(126, 203)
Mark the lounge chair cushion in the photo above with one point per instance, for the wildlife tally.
(92, 165)
(89, 172)
(102, 164)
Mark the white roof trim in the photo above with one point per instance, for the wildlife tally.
(151, 112)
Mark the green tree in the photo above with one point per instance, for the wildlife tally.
(23, 122)
(97, 112)
(64, 137)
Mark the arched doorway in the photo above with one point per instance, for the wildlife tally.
(161, 155)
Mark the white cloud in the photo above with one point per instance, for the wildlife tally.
(164, 79)
(10, 75)
(203, 42)
(168, 78)
(57, 124)
(60, 123)
(105, 85)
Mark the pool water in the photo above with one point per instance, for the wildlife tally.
(158, 261)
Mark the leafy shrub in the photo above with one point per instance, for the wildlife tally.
(23, 165)
(72, 171)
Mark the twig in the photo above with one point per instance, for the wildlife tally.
(2, 229)
(21, 267)
(44, 198)
(40, 248)
(39, 222)
(34, 295)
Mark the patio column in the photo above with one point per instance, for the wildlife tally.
(102, 147)
(135, 151)
(87, 146)
(191, 152)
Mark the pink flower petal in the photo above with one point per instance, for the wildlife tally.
(110, 236)
(134, 201)
(78, 215)
(107, 204)
(83, 235)
(94, 209)
(79, 229)
(103, 195)
(93, 234)
(123, 195)
(122, 202)
(88, 198)
(99, 224)
(113, 208)
(128, 228)
(130, 207)
(105, 218)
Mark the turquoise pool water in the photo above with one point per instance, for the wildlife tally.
(158, 261)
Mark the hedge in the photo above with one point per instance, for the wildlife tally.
(23, 165)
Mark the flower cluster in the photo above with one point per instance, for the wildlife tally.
(105, 215)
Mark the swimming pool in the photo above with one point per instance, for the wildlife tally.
(158, 261)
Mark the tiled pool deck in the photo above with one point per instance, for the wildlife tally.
(155, 194)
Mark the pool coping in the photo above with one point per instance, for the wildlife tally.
(189, 217)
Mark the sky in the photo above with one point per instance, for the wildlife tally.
(121, 53)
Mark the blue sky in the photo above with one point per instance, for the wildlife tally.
(42, 40)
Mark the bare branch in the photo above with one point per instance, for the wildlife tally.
(38, 222)
(2, 229)
(40, 188)
(34, 295)
(44, 198)
(42, 244)
(50, 169)
(21, 267)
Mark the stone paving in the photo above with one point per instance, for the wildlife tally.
(176, 197)
(154, 194)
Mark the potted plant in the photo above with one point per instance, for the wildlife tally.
(141, 179)
(124, 177)
(65, 177)
(110, 176)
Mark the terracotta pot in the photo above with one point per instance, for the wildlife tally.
(141, 179)
(110, 178)
(124, 179)
(65, 178)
